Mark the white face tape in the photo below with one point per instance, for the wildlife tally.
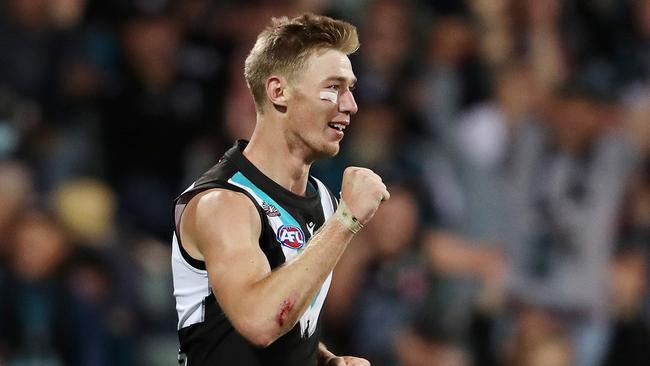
(329, 95)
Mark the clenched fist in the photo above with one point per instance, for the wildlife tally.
(363, 191)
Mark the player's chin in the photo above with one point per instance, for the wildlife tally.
(328, 150)
(332, 149)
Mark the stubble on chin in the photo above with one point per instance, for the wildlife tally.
(316, 150)
(323, 153)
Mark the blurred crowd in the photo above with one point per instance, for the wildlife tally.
(514, 136)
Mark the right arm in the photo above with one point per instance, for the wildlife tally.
(263, 304)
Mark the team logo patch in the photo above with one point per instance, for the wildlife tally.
(291, 236)
(270, 210)
(310, 227)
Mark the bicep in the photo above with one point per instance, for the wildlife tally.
(226, 230)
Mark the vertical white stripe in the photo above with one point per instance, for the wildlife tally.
(325, 199)
(309, 320)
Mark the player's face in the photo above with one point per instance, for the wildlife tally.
(322, 103)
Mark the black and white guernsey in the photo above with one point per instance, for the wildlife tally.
(288, 221)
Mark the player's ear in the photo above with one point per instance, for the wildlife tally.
(276, 91)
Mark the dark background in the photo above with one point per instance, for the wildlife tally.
(514, 136)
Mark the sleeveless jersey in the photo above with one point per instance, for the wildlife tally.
(288, 221)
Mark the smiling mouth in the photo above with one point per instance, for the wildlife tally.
(337, 126)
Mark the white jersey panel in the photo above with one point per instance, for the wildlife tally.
(309, 319)
(191, 286)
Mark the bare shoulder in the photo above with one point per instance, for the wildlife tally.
(218, 200)
(217, 217)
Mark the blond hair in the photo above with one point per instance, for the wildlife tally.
(285, 45)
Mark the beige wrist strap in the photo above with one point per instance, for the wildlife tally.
(345, 216)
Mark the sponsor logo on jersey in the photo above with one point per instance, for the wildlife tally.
(270, 210)
(310, 227)
(291, 236)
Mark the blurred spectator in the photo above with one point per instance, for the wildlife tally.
(149, 125)
(484, 135)
(239, 117)
(634, 56)
(30, 51)
(566, 188)
(465, 176)
(15, 193)
(385, 280)
(380, 68)
(629, 293)
(450, 80)
(56, 308)
(540, 341)
(87, 209)
(103, 327)
(416, 350)
(153, 284)
(629, 278)
(36, 313)
(16, 190)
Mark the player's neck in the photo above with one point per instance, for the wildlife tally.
(275, 158)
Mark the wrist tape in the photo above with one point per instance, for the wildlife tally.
(345, 216)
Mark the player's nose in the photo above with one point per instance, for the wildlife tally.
(347, 104)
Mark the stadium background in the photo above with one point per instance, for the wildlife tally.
(474, 111)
